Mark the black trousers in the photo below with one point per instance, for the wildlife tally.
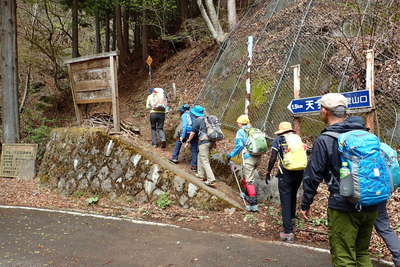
(289, 183)
(157, 127)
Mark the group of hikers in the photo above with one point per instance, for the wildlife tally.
(360, 171)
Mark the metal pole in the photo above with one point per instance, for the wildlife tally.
(8, 62)
(248, 79)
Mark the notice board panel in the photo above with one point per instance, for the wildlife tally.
(18, 160)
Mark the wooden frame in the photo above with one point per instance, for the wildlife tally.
(94, 79)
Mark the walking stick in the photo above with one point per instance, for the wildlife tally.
(232, 166)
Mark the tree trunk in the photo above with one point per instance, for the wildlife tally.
(8, 61)
(137, 34)
(232, 16)
(107, 34)
(120, 40)
(212, 20)
(98, 36)
(75, 42)
(114, 34)
(145, 52)
(125, 33)
(183, 6)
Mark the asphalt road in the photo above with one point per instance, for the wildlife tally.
(42, 238)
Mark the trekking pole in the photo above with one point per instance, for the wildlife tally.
(232, 166)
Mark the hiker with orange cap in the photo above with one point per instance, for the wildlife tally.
(249, 161)
(291, 152)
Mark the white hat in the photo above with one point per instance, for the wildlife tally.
(333, 100)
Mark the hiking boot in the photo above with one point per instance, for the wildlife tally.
(200, 177)
(163, 144)
(210, 183)
(247, 208)
(286, 237)
(254, 208)
(174, 161)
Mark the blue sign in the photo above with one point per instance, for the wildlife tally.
(356, 99)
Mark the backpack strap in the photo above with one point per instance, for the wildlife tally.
(331, 134)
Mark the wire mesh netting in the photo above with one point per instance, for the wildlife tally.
(328, 39)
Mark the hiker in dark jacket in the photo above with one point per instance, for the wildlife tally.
(382, 223)
(349, 229)
(289, 182)
(199, 130)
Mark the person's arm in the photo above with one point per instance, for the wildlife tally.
(239, 143)
(315, 172)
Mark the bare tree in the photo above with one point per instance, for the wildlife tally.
(211, 18)
(75, 33)
(8, 64)
(232, 16)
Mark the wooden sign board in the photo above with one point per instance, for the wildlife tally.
(18, 160)
(93, 79)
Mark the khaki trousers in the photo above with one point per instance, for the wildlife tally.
(249, 168)
(203, 163)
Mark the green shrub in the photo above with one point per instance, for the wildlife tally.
(163, 201)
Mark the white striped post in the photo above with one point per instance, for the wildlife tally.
(248, 83)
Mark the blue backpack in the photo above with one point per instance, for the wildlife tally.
(393, 165)
(368, 171)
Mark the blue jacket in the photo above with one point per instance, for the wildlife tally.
(187, 124)
(240, 143)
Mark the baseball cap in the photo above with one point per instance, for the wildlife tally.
(333, 100)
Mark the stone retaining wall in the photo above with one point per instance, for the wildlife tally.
(89, 160)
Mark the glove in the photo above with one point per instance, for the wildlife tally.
(267, 177)
(228, 157)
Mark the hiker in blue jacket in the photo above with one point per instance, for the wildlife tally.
(249, 163)
(187, 120)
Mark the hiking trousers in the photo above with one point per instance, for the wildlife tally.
(288, 185)
(249, 168)
(382, 227)
(194, 147)
(349, 237)
(203, 163)
(157, 127)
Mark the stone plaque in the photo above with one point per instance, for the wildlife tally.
(18, 160)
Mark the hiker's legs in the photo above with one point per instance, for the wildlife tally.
(153, 124)
(349, 237)
(194, 146)
(366, 222)
(382, 227)
(285, 195)
(160, 126)
(177, 149)
(295, 184)
(249, 171)
(204, 162)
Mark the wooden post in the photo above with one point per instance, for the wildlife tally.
(370, 85)
(76, 106)
(296, 93)
(114, 92)
(174, 90)
(9, 68)
(248, 84)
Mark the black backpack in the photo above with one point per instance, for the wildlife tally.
(214, 132)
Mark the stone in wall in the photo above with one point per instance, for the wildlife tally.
(91, 160)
